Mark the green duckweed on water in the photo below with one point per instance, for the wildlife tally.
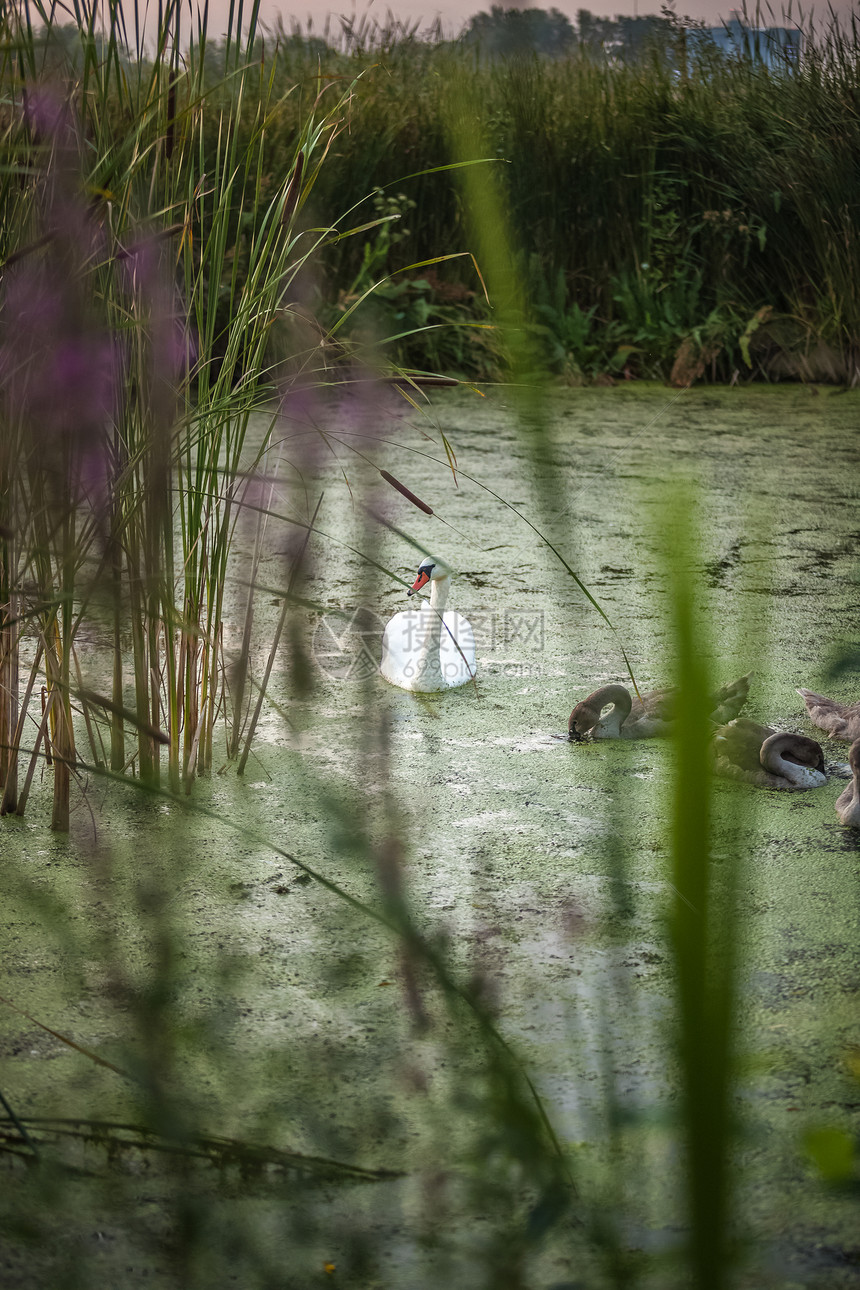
(185, 946)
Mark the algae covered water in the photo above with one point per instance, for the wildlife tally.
(279, 1013)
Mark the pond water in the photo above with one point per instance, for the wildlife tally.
(539, 867)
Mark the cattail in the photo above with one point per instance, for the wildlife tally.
(401, 488)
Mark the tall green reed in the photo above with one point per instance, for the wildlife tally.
(703, 914)
(703, 926)
(192, 287)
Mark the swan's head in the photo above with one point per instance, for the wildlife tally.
(586, 716)
(429, 570)
(798, 759)
(582, 720)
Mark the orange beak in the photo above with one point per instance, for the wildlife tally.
(421, 581)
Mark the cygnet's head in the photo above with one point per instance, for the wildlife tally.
(583, 719)
(797, 758)
(429, 570)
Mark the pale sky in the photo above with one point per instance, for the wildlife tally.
(455, 14)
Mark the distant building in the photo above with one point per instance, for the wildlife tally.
(771, 46)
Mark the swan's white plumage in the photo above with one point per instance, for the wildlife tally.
(405, 662)
(426, 649)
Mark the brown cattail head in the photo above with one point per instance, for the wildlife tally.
(401, 488)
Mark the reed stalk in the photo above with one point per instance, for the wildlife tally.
(703, 930)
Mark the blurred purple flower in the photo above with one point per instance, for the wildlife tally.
(49, 115)
(60, 381)
(60, 365)
(81, 372)
(65, 375)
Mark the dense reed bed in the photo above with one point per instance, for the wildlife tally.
(684, 207)
(139, 302)
(196, 243)
(682, 213)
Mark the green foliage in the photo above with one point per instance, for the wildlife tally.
(702, 924)
(387, 210)
(733, 184)
(150, 256)
(389, 315)
(665, 201)
(567, 334)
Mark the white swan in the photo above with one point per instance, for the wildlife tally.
(758, 755)
(426, 649)
(848, 801)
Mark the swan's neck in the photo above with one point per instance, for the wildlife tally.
(439, 588)
(778, 757)
(428, 663)
(609, 725)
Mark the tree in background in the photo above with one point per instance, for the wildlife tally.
(507, 33)
(594, 33)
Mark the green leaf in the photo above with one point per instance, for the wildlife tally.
(833, 1153)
